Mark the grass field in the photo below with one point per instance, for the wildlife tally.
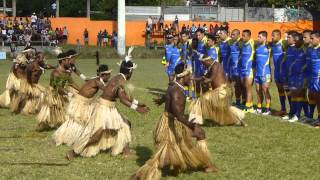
(268, 149)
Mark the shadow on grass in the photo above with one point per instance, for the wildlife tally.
(167, 172)
(156, 91)
(143, 154)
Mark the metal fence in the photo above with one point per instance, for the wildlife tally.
(217, 13)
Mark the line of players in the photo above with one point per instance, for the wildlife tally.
(246, 62)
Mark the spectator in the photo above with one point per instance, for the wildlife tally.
(193, 30)
(4, 34)
(99, 39)
(149, 21)
(86, 37)
(148, 36)
(105, 38)
(184, 28)
(211, 28)
(53, 9)
(176, 23)
(161, 22)
(13, 49)
(114, 40)
(187, 3)
(216, 28)
(78, 45)
(33, 19)
(205, 28)
(154, 25)
(65, 35)
(60, 35)
(27, 38)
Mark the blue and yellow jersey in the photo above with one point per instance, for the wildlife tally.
(213, 52)
(262, 60)
(298, 66)
(278, 54)
(247, 54)
(315, 63)
(185, 50)
(167, 54)
(201, 51)
(224, 47)
(308, 51)
(235, 50)
(174, 57)
(289, 60)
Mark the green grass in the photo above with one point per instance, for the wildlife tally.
(267, 149)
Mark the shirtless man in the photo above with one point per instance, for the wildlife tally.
(80, 108)
(52, 113)
(107, 128)
(215, 103)
(17, 82)
(73, 55)
(173, 135)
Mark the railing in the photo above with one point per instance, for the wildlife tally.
(218, 13)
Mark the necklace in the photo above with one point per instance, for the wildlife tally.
(102, 82)
(124, 77)
(180, 86)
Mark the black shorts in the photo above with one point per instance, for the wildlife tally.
(64, 37)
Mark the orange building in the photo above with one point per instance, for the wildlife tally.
(135, 30)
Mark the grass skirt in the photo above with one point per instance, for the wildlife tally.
(12, 85)
(78, 113)
(34, 99)
(174, 149)
(5, 99)
(216, 105)
(19, 96)
(52, 113)
(116, 132)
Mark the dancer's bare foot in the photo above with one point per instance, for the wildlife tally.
(134, 177)
(52, 142)
(70, 155)
(128, 153)
(211, 169)
(243, 124)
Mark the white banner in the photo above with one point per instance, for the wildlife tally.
(181, 17)
(143, 10)
(280, 15)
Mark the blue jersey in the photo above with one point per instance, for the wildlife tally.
(315, 63)
(185, 51)
(278, 53)
(175, 57)
(234, 58)
(174, 60)
(201, 50)
(247, 52)
(168, 52)
(213, 53)
(224, 54)
(297, 70)
(262, 60)
(289, 59)
(308, 52)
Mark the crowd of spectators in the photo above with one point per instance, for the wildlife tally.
(23, 31)
(201, 2)
(104, 38)
(157, 27)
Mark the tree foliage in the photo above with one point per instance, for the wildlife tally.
(108, 8)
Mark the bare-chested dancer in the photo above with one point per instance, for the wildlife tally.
(173, 135)
(215, 103)
(107, 128)
(80, 108)
(52, 113)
